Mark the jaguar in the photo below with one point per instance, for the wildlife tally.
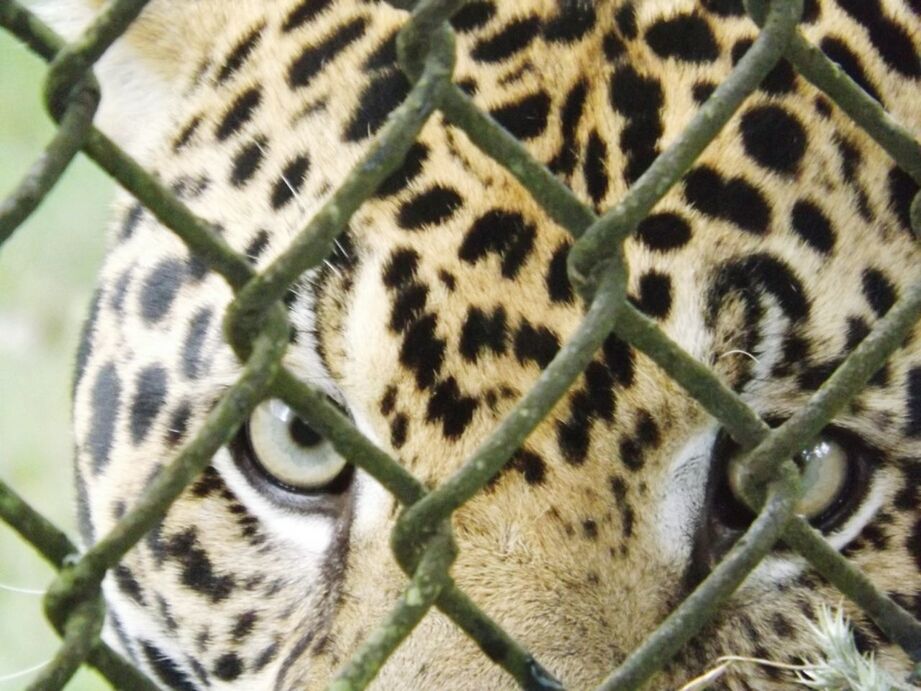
(445, 298)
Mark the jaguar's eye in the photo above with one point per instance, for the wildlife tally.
(290, 453)
(834, 471)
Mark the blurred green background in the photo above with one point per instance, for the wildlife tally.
(46, 275)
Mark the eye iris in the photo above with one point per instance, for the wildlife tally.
(824, 477)
(303, 434)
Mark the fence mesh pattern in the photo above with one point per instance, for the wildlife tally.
(256, 327)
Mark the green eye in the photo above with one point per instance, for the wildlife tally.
(289, 451)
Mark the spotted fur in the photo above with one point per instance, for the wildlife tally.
(448, 293)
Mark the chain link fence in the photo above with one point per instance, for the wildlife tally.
(256, 327)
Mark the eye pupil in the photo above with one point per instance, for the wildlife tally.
(303, 434)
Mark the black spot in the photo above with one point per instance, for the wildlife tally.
(385, 55)
(132, 220)
(838, 51)
(724, 8)
(891, 40)
(239, 113)
(594, 167)
(398, 430)
(160, 288)
(473, 15)
(257, 246)
(684, 37)
(774, 138)
(599, 396)
(639, 100)
(514, 37)
(313, 58)
(851, 158)
(613, 46)
(631, 454)
(247, 161)
(178, 424)
(812, 225)
(408, 305)
(166, 668)
(565, 161)
(433, 206)
(524, 119)
(106, 401)
(400, 269)
(447, 279)
(453, 409)
(558, 286)
(536, 344)
(902, 189)
(197, 570)
(422, 351)
(702, 90)
(619, 358)
(626, 21)
(185, 136)
(239, 54)
(780, 80)
(290, 181)
(530, 465)
(732, 199)
(664, 231)
(573, 438)
(87, 333)
(913, 543)
(753, 275)
(590, 529)
(388, 400)
(149, 397)
(228, 667)
(878, 290)
(655, 294)
(504, 233)
(192, 360)
(406, 173)
(483, 332)
(128, 584)
(572, 23)
(379, 98)
(305, 12)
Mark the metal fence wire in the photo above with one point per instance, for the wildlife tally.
(256, 327)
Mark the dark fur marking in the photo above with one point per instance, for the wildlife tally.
(305, 12)
(431, 207)
(683, 37)
(878, 290)
(160, 288)
(639, 99)
(504, 233)
(774, 138)
(240, 54)
(165, 668)
(378, 99)
(837, 50)
(594, 167)
(535, 344)
(422, 351)
(731, 199)
(902, 189)
(483, 332)
(193, 362)
(515, 36)
(239, 113)
(149, 398)
(290, 181)
(655, 294)
(450, 407)
(247, 161)
(314, 58)
(197, 570)
(558, 286)
(565, 161)
(813, 226)
(891, 40)
(664, 231)
(410, 168)
(228, 667)
(106, 402)
(473, 15)
(408, 305)
(574, 21)
(400, 269)
(526, 118)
